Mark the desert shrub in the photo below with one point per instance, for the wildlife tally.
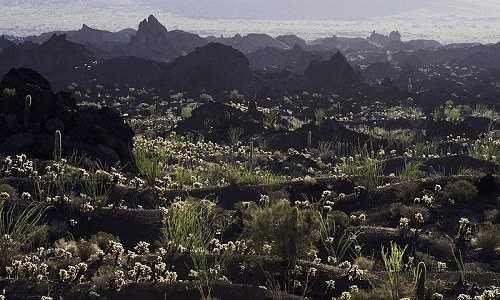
(5, 188)
(234, 135)
(486, 148)
(374, 294)
(365, 263)
(340, 218)
(487, 237)
(338, 241)
(149, 164)
(366, 163)
(453, 114)
(485, 111)
(19, 228)
(105, 278)
(21, 225)
(492, 216)
(86, 249)
(405, 192)
(429, 260)
(308, 180)
(187, 112)
(243, 175)
(283, 227)
(470, 172)
(102, 239)
(399, 210)
(441, 247)
(412, 170)
(190, 224)
(393, 262)
(208, 270)
(460, 191)
(434, 286)
(67, 245)
(9, 92)
(426, 148)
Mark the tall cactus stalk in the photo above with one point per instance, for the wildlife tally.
(57, 145)
(421, 275)
(291, 249)
(309, 139)
(27, 111)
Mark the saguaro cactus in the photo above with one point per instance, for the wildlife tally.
(421, 275)
(57, 145)
(27, 111)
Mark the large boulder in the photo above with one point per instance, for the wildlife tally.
(335, 74)
(99, 133)
(214, 68)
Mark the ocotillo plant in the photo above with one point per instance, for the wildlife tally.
(27, 110)
(420, 283)
(57, 145)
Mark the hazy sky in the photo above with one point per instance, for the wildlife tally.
(276, 9)
(444, 20)
(290, 9)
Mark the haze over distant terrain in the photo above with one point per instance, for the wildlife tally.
(444, 20)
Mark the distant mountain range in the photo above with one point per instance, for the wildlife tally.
(155, 56)
(152, 40)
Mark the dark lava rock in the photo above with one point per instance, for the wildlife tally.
(214, 68)
(488, 184)
(452, 164)
(394, 165)
(335, 74)
(100, 133)
(216, 120)
(471, 128)
(329, 130)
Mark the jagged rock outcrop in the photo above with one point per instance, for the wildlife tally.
(335, 74)
(154, 41)
(214, 68)
(151, 41)
(99, 133)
